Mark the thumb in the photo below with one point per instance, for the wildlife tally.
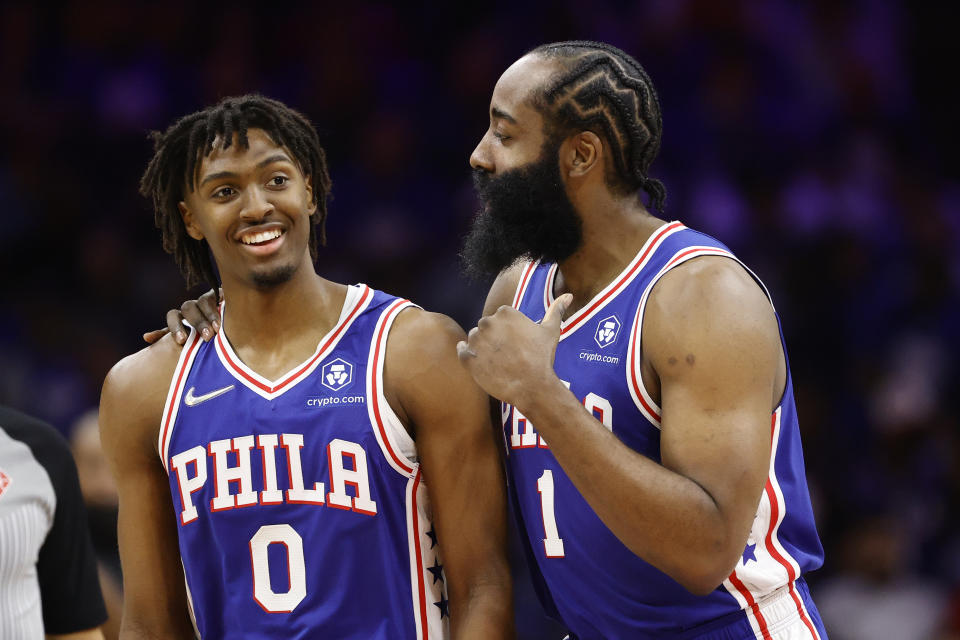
(554, 314)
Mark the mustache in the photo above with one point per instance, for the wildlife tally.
(481, 182)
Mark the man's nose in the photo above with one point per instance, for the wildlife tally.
(256, 205)
(480, 158)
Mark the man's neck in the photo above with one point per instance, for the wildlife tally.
(614, 230)
(283, 318)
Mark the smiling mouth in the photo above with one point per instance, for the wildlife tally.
(261, 237)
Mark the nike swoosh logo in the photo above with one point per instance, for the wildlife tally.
(191, 400)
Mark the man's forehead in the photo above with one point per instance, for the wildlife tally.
(259, 145)
(521, 79)
(258, 142)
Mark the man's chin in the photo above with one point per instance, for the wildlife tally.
(485, 251)
(272, 277)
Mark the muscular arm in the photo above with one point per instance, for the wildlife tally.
(131, 405)
(461, 465)
(712, 340)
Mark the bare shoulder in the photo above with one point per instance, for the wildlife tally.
(423, 377)
(503, 288)
(423, 335)
(134, 391)
(710, 280)
(708, 300)
(144, 371)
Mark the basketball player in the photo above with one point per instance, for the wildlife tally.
(324, 468)
(647, 404)
(652, 436)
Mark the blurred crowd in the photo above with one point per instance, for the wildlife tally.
(813, 138)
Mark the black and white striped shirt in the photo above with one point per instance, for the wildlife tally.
(48, 573)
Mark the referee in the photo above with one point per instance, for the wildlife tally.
(48, 574)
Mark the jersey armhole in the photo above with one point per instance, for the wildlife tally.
(171, 405)
(525, 275)
(395, 443)
(548, 286)
(638, 391)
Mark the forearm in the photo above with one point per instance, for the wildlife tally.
(479, 584)
(486, 612)
(662, 516)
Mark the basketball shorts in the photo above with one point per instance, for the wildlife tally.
(779, 617)
(782, 619)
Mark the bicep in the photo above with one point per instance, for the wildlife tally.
(457, 446)
(154, 594)
(152, 574)
(713, 341)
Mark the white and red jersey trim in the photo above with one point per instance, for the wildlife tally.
(357, 300)
(395, 442)
(417, 579)
(548, 289)
(524, 282)
(172, 404)
(399, 450)
(589, 310)
(427, 592)
(638, 391)
(774, 566)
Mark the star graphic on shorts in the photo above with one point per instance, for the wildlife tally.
(436, 570)
(433, 537)
(443, 604)
(748, 553)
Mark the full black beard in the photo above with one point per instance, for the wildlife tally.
(525, 213)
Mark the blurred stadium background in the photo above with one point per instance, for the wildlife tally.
(816, 139)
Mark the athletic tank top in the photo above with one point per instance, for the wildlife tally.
(300, 505)
(584, 574)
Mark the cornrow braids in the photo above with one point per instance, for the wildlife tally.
(179, 150)
(601, 87)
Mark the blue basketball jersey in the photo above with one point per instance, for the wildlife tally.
(300, 506)
(596, 586)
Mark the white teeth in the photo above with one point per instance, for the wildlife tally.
(263, 236)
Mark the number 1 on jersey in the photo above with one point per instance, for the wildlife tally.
(552, 543)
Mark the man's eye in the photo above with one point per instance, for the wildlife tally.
(279, 181)
(500, 136)
(223, 192)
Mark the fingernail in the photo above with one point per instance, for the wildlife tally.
(206, 333)
(216, 325)
(180, 336)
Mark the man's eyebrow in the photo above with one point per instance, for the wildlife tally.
(277, 157)
(503, 115)
(216, 176)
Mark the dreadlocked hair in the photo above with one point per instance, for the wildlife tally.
(601, 87)
(179, 150)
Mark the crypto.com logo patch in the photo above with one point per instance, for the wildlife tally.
(336, 374)
(607, 331)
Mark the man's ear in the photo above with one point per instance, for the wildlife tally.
(187, 216)
(308, 184)
(583, 154)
